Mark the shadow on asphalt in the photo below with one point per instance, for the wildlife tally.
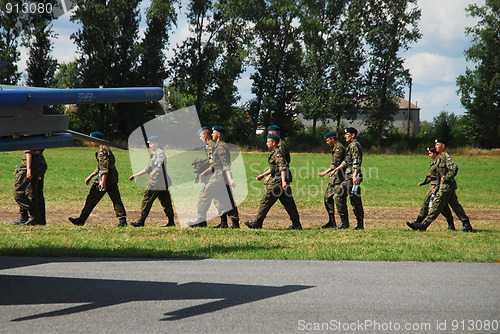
(99, 293)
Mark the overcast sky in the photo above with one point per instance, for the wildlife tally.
(434, 62)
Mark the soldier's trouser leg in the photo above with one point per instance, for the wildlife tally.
(424, 210)
(20, 190)
(147, 201)
(114, 194)
(341, 202)
(166, 202)
(449, 217)
(41, 198)
(357, 206)
(439, 202)
(288, 202)
(329, 199)
(270, 197)
(456, 207)
(204, 200)
(93, 198)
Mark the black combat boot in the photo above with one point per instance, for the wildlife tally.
(34, 218)
(170, 221)
(295, 225)
(196, 224)
(223, 222)
(419, 226)
(361, 225)
(416, 221)
(466, 226)
(122, 222)
(344, 223)
(139, 223)
(331, 221)
(255, 224)
(24, 217)
(451, 225)
(236, 223)
(77, 221)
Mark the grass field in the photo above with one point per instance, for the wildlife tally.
(390, 197)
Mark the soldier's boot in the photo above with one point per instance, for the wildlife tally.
(223, 222)
(331, 221)
(419, 226)
(236, 223)
(416, 221)
(198, 224)
(77, 221)
(170, 221)
(122, 222)
(140, 222)
(24, 217)
(256, 224)
(466, 226)
(34, 218)
(451, 225)
(295, 225)
(361, 225)
(344, 223)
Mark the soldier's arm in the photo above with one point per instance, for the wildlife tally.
(452, 170)
(29, 159)
(136, 175)
(261, 176)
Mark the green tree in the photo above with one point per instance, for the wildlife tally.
(41, 66)
(391, 26)
(10, 32)
(479, 88)
(67, 76)
(276, 56)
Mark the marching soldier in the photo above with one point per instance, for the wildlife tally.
(433, 180)
(28, 188)
(447, 170)
(277, 188)
(106, 182)
(338, 154)
(158, 180)
(350, 186)
(217, 186)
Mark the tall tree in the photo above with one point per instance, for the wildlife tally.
(480, 87)
(276, 56)
(10, 31)
(391, 26)
(111, 55)
(41, 65)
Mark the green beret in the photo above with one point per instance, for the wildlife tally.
(273, 137)
(153, 138)
(203, 129)
(330, 134)
(97, 134)
(219, 128)
(274, 128)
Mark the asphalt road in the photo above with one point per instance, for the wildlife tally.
(75, 295)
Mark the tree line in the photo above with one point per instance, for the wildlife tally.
(324, 59)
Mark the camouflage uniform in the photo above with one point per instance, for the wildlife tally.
(338, 155)
(274, 189)
(215, 187)
(28, 193)
(353, 160)
(447, 169)
(157, 187)
(434, 180)
(105, 165)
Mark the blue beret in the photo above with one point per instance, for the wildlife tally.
(203, 129)
(97, 134)
(219, 128)
(273, 137)
(153, 138)
(274, 128)
(331, 134)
